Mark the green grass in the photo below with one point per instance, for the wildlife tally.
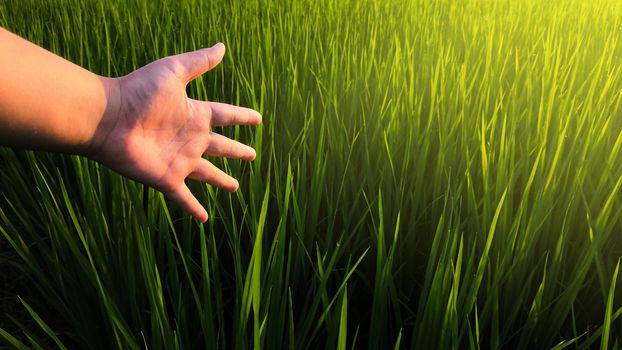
(430, 174)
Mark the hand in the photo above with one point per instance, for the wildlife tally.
(153, 133)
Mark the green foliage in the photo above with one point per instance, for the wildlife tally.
(430, 174)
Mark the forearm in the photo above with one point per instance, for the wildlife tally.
(46, 102)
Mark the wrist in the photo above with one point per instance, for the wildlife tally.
(103, 126)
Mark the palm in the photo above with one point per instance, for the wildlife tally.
(159, 134)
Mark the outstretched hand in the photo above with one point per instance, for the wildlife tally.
(153, 133)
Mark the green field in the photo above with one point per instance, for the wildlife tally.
(429, 174)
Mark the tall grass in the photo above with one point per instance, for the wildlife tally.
(430, 174)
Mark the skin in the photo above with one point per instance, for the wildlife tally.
(142, 125)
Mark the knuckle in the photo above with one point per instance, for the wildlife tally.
(250, 115)
(235, 119)
(227, 148)
(175, 65)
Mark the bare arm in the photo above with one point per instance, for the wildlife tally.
(141, 125)
(46, 102)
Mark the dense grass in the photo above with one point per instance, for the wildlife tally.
(430, 174)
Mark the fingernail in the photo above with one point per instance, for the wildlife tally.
(217, 45)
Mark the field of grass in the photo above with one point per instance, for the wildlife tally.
(430, 174)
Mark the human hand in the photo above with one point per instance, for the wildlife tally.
(153, 133)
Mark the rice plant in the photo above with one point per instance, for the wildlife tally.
(429, 174)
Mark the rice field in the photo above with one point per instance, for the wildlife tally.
(430, 175)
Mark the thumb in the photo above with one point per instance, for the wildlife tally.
(197, 62)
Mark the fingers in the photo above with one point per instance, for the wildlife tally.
(195, 63)
(224, 114)
(205, 172)
(188, 202)
(208, 172)
(221, 146)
